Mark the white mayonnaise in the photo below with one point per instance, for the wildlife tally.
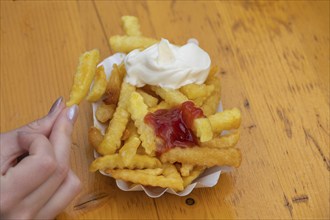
(167, 65)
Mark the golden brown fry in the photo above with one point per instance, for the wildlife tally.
(198, 170)
(194, 91)
(128, 150)
(95, 137)
(112, 138)
(126, 44)
(161, 105)
(203, 156)
(171, 96)
(131, 25)
(226, 120)
(84, 76)
(114, 84)
(138, 111)
(115, 161)
(202, 129)
(104, 112)
(149, 100)
(154, 171)
(99, 86)
(210, 105)
(224, 141)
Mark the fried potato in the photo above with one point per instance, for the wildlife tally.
(84, 76)
(154, 172)
(131, 25)
(128, 150)
(210, 105)
(147, 179)
(171, 96)
(112, 138)
(161, 105)
(198, 170)
(226, 120)
(194, 91)
(99, 86)
(104, 112)
(223, 141)
(185, 169)
(126, 44)
(115, 161)
(202, 129)
(95, 137)
(114, 84)
(138, 110)
(148, 99)
(203, 156)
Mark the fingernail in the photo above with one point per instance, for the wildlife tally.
(72, 113)
(55, 105)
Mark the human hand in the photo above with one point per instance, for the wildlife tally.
(40, 185)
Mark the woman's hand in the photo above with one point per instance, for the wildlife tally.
(41, 184)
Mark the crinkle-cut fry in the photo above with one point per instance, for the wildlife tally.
(115, 161)
(223, 141)
(154, 172)
(194, 91)
(171, 96)
(226, 120)
(138, 110)
(114, 84)
(126, 44)
(95, 137)
(212, 73)
(135, 176)
(186, 169)
(198, 170)
(84, 76)
(99, 86)
(161, 105)
(148, 99)
(210, 105)
(104, 112)
(131, 25)
(203, 156)
(112, 138)
(128, 150)
(202, 129)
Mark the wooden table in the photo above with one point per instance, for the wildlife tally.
(274, 59)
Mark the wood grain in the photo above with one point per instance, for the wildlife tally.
(274, 60)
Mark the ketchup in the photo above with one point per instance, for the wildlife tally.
(173, 126)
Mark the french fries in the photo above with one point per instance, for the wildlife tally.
(134, 149)
(84, 76)
(100, 84)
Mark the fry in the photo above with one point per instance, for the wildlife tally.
(99, 86)
(198, 170)
(186, 169)
(202, 129)
(84, 76)
(194, 91)
(138, 111)
(154, 172)
(131, 25)
(226, 120)
(115, 161)
(210, 105)
(95, 137)
(114, 84)
(126, 44)
(224, 141)
(129, 149)
(171, 96)
(104, 112)
(161, 105)
(203, 156)
(148, 99)
(112, 138)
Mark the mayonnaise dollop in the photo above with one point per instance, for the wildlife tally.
(167, 65)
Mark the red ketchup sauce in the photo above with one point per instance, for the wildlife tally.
(173, 126)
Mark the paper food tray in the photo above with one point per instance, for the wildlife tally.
(208, 178)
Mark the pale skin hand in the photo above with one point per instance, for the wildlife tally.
(42, 184)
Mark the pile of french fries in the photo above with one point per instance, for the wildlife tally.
(129, 146)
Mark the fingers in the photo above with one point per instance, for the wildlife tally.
(62, 197)
(31, 172)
